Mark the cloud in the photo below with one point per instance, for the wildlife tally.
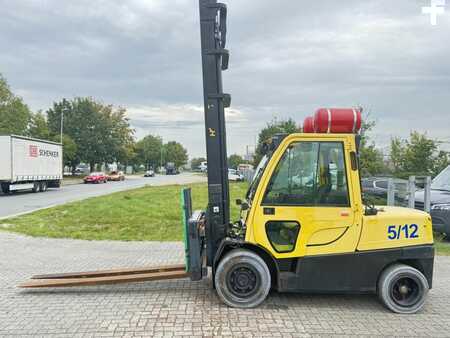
(177, 116)
(287, 59)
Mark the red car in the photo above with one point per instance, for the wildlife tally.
(96, 178)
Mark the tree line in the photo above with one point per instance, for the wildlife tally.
(92, 132)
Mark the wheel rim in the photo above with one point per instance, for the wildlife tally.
(406, 291)
(243, 281)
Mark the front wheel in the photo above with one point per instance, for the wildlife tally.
(402, 289)
(242, 279)
(5, 188)
(36, 187)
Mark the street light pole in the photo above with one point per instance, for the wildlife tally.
(62, 125)
(61, 141)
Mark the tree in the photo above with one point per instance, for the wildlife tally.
(120, 136)
(416, 156)
(442, 161)
(101, 133)
(370, 158)
(273, 127)
(148, 151)
(371, 161)
(195, 162)
(14, 113)
(234, 160)
(176, 153)
(38, 127)
(69, 151)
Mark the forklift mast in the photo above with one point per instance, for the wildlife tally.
(214, 60)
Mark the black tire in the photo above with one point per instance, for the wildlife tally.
(36, 187)
(5, 188)
(402, 289)
(43, 186)
(242, 279)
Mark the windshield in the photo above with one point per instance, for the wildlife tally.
(442, 181)
(257, 177)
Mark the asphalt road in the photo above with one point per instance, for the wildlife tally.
(23, 202)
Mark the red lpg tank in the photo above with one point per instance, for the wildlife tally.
(308, 125)
(337, 120)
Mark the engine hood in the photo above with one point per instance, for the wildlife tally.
(395, 227)
(386, 213)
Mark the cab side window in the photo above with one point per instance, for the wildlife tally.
(310, 174)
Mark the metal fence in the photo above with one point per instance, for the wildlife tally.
(408, 191)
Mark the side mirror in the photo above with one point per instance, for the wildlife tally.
(371, 211)
(244, 205)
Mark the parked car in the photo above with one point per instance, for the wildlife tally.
(378, 187)
(97, 177)
(244, 166)
(116, 176)
(440, 202)
(82, 169)
(235, 176)
(149, 173)
(203, 167)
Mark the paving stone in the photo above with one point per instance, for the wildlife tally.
(181, 307)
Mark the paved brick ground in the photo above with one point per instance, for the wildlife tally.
(177, 308)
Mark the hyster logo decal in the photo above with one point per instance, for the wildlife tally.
(36, 152)
(33, 151)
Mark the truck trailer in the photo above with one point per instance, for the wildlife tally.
(29, 164)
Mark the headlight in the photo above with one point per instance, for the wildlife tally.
(441, 207)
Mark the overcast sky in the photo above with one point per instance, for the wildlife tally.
(288, 58)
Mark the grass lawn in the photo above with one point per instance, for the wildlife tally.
(442, 246)
(145, 214)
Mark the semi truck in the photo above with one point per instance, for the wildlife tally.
(171, 169)
(29, 164)
(304, 225)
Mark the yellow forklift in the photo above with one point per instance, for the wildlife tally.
(304, 225)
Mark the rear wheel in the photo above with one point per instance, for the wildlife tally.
(43, 186)
(242, 279)
(402, 289)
